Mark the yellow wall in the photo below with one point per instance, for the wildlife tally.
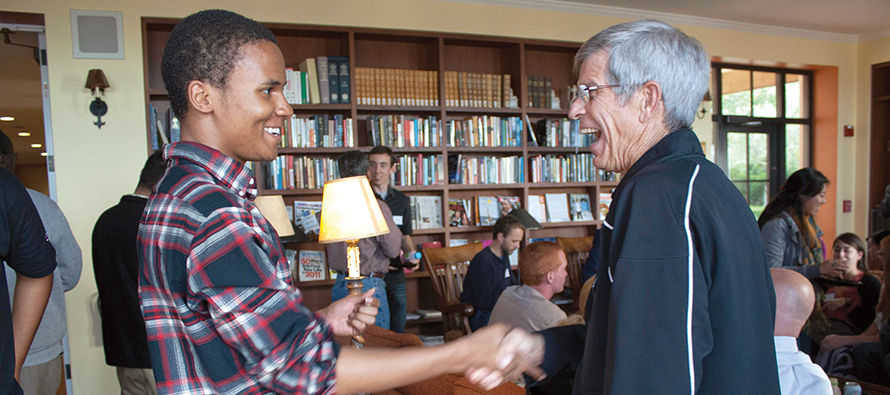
(94, 167)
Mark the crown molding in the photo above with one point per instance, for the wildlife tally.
(874, 36)
(678, 19)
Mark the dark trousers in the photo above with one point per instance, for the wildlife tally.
(397, 299)
(870, 363)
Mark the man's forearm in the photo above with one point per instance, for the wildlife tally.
(408, 244)
(376, 369)
(29, 302)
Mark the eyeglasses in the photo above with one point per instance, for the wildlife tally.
(585, 92)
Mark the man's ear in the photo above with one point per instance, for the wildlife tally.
(548, 278)
(649, 100)
(200, 96)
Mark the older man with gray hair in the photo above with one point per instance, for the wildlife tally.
(684, 300)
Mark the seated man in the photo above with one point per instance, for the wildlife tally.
(542, 267)
(794, 303)
(489, 272)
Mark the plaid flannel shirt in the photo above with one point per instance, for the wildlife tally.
(221, 312)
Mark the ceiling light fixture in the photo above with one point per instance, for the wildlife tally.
(36, 145)
(24, 134)
(44, 154)
(7, 119)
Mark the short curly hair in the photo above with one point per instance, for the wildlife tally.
(205, 47)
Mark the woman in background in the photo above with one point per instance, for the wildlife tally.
(790, 234)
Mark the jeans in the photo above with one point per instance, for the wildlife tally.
(340, 291)
(397, 298)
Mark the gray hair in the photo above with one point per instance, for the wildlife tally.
(650, 50)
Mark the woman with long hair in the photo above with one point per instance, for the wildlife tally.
(790, 234)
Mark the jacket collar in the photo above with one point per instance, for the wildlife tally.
(678, 143)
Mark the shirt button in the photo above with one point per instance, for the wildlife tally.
(241, 193)
(251, 181)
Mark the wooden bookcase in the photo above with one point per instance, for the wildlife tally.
(429, 51)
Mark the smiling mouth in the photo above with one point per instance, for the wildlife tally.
(595, 132)
(273, 131)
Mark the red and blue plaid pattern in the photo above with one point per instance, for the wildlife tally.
(221, 313)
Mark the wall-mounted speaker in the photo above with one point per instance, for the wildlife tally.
(97, 34)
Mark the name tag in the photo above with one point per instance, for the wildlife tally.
(507, 272)
(397, 219)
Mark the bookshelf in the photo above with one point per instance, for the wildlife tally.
(433, 55)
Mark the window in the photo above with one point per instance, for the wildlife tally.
(763, 132)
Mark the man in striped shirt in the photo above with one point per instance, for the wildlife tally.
(221, 313)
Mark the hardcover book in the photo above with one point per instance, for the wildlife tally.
(537, 207)
(605, 200)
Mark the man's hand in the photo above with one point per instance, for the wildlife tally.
(352, 314)
(514, 350)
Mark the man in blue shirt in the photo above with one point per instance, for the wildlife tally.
(489, 272)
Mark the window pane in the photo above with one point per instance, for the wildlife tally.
(765, 94)
(737, 155)
(736, 99)
(796, 148)
(759, 195)
(795, 91)
(758, 148)
(743, 188)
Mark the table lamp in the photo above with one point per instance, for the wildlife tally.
(349, 212)
(272, 207)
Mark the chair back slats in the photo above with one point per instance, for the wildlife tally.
(448, 267)
(577, 249)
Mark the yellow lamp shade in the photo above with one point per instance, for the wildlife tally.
(349, 211)
(272, 207)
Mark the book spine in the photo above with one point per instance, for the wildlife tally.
(343, 76)
(333, 80)
(324, 87)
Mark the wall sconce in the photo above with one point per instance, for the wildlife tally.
(704, 111)
(97, 83)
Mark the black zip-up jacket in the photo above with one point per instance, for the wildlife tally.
(678, 231)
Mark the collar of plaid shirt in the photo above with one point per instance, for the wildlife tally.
(227, 171)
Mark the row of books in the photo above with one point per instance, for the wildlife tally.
(485, 131)
(321, 80)
(164, 127)
(318, 131)
(562, 168)
(419, 170)
(426, 212)
(485, 169)
(299, 172)
(559, 133)
(464, 89)
(403, 131)
(540, 92)
(396, 87)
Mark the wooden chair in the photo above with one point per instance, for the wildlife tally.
(577, 249)
(447, 267)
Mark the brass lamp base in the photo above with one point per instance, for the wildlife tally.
(354, 284)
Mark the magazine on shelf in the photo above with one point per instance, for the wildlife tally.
(307, 216)
(459, 213)
(427, 212)
(605, 201)
(507, 204)
(537, 207)
(580, 205)
(311, 266)
(557, 207)
(489, 210)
